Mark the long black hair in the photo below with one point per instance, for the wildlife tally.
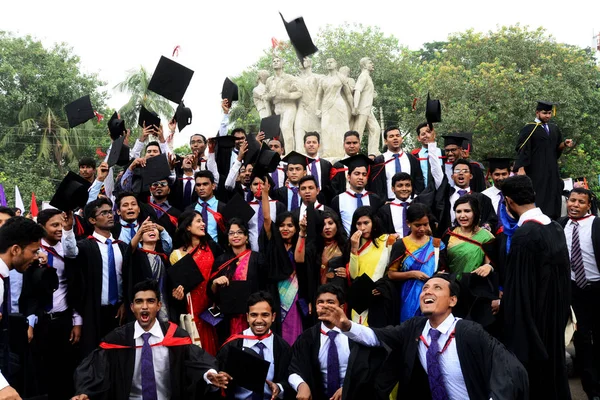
(182, 236)
(376, 229)
(474, 203)
(340, 237)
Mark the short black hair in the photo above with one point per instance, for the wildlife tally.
(416, 211)
(7, 210)
(205, 174)
(388, 129)
(462, 161)
(45, 215)
(92, 207)
(333, 289)
(475, 207)
(309, 134)
(122, 195)
(401, 176)
(20, 231)
(308, 178)
(451, 279)
(146, 285)
(421, 126)
(88, 162)
(578, 190)
(236, 130)
(198, 134)
(520, 189)
(257, 297)
(154, 143)
(351, 133)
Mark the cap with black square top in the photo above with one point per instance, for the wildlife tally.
(45, 280)
(119, 153)
(229, 91)
(433, 110)
(185, 272)
(253, 149)
(543, 105)
(116, 126)
(450, 140)
(227, 141)
(358, 160)
(271, 126)
(183, 116)
(79, 111)
(72, 193)
(268, 158)
(170, 79)
(246, 368)
(300, 37)
(148, 118)
(237, 207)
(293, 157)
(467, 143)
(233, 297)
(499, 163)
(156, 169)
(360, 294)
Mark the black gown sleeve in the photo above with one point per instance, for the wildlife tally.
(92, 376)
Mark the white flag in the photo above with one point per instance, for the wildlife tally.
(18, 200)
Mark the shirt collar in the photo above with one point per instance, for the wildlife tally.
(326, 329)
(101, 238)
(537, 121)
(399, 202)
(468, 189)
(444, 327)
(388, 154)
(155, 331)
(4, 271)
(211, 202)
(268, 341)
(530, 214)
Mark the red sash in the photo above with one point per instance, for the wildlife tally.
(364, 246)
(383, 164)
(249, 337)
(218, 218)
(168, 341)
(53, 252)
(159, 208)
(79, 228)
(163, 255)
(227, 263)
(334, 171)
(452, 335)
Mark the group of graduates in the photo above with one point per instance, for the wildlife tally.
(400, 274)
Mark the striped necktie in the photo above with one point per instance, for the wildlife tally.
(577, 258)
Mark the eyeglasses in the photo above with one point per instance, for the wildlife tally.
(461, 171)
(236, 233)
(104, 213)
(159, 184)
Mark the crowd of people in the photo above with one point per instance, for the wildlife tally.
(244, 271)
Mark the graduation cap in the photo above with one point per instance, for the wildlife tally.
(360, 293)
(72, 193)
(247, 368)
(233, 297)
(543, 105)
(226, 142)
(183, 116)
(148, 118)
(268, 158)
(45, 280)
(254, 147)
(116, 126)
(156, 169)
(229, 91)
(79, 111)
(271, 126)
(499, 163)
(293, 157)
(450, 140)
(185, 272)
(467, 143)
(119, 153)
(433, 111)
(237, 207)
(358, 160)
(299, 37)
(170, 79)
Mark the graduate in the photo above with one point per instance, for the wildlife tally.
(499, 170)
(278, 176)
(260, 339)
(166, 214)
(425, 135)
(478, 182)
(209, 206)
(537, 292)
(289, 194)
(339, 170)
(318, 167)
(147, 359)
(260, 180)
(309, 194)
(539, 146)
(439, 356)
(326, 364)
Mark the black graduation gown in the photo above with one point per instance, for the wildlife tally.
(478, 181)
(282, 355)
(363, 366)
(378, 179)
(326, 191)
(538, 153)
(536, 306)
(176, 193)
(489, 370)
(108, 374)
(338, 178)
(426, 197)
(85, 288)
(82, 228)
(375, 202)
(166, 223)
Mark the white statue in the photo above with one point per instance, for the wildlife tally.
(333, 98)
(306, 117)
(283, 91)
(263, 107)
(345, 72)
(364, 93)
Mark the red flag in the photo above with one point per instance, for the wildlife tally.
(274, 42)
(98, 115)
(33, 208)
(100, 153)
(414, 104)
(176, 51)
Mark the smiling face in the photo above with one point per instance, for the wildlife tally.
(402, 189)
(329, 228)
(129, 210)
(151, 236)
(578, 205)
(295, 172)
(365, 225)
(394, 140)
(453, 152)
(237, 236)
(260, 317)
(461, 175)
(426, 135)
(287, 229)
(145, 307)
(499, 175)
(464, 215)
(197, 226)
(239, 139)
(54, 229)
(308, 191)
(435, 297)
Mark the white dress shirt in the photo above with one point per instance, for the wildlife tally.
(390, 169)
(318, 206)
(398, 216)
(318, 165)
(4, 271)
(160, 360)
(253, 223)
(347, 204)
(343, 348)
(494, 194)
(449, 360)
(455, 196)
(586, 245)
(534, 214)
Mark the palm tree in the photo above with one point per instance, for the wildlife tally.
(136, 83)
(243, 113)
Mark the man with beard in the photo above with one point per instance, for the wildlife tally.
(166, 214)
(147, 359)
(19, 245)
(269, 346)
(537, 291)
(338, 172)
(499, 171)
(438, 356)
(289, 194)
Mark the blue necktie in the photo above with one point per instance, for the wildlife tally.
(131, 230)
(294, 198)
(461, 192)
(333, 365)
(546, 128)
(147, 364)
(249, 195)
(260, 218)
(113, 289)
(50, 305)
(405, 227)
(359, 202)
(275, 177)
(187, 193)
(314, 172)
(397, 162)
(434, 370)
(204, 213)
(261, 353)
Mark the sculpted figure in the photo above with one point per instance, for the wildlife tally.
(306, 117)
(364, 93)
(345, 72)
(262, 106)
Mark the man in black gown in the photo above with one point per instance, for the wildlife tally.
(539, 146)
(536, 292)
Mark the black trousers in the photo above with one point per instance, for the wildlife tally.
(586, 305)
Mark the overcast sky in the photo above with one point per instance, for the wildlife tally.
(219, 38)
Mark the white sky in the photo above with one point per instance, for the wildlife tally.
(221, 39)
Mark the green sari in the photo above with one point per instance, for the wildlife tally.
(466, 254)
